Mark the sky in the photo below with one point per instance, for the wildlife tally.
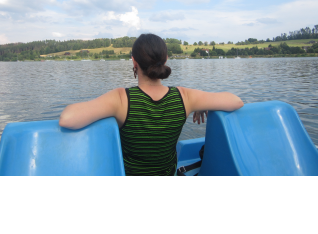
(187, 20)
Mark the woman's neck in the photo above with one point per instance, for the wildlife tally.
(146, 81)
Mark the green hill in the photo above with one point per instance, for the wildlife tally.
(299, 43)
(121, 48)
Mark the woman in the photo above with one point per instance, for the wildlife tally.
(150, 116)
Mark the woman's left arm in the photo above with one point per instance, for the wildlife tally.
(79, 115)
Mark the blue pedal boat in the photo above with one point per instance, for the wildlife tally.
(266, 138)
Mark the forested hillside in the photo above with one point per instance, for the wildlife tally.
(303, 33)
(33, 50)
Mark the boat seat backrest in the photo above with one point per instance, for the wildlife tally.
(266, 138)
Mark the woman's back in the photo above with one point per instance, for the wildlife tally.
(151, 131)
(151, 115)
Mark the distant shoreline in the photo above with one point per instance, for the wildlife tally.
(180, 58)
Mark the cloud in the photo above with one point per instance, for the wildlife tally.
(133, 32)
(167, 16)
(267, 21)
(93, 7)
(23, 7)
(104, 35)
(249, 24)
(175, 29)
(25, 21)
(87, 7)
(57, 34)
(4, 39)
(189, 2)
(129, 19)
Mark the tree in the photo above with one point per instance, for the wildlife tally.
(205, 43)
(193, 54)
(212, 43)
(275, 50)
(310, 50)
(200, 43)
(195, 43)
(230, 42)
(251, 40)
(185, 43)
(172, 40)
(220, 52)
(174, 48)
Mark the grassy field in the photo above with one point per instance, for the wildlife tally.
(190, 48)
(124, 50)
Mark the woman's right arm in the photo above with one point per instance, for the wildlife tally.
(197, 100)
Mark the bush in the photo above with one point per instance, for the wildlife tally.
(220, 52)
(296, 50)
(275, 49)
(193, 54)
(175, 48)
(310, 50)
(230, 52)
(108, 52)
(213, 53)
(172, 41)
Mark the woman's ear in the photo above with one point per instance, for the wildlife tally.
(134, 61)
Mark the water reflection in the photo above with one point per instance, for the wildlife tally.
(40, 91)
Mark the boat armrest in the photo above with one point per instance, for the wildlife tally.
(189, 149)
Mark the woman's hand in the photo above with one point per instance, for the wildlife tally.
(198, 115)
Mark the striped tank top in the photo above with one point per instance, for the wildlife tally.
(150, 132)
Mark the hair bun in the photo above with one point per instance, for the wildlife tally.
(158, 71)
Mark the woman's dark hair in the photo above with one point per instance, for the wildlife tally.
(150, 52)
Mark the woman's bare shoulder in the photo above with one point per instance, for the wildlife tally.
(117, 93)
(121, 91)
(185, 91)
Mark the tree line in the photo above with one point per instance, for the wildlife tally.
(283, 48)
(33, 50)
(303, 33)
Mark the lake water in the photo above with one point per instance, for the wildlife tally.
(32, 91)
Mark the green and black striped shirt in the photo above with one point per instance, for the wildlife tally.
(151, 131)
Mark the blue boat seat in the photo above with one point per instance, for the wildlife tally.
(188, 153)
(44, 148)
(266, 138)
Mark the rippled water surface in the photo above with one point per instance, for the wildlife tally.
(31, 91)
